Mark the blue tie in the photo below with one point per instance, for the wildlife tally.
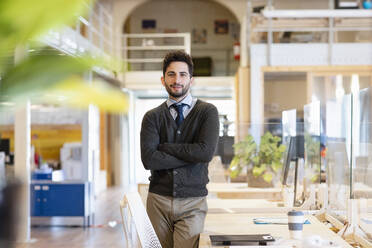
(179, 109)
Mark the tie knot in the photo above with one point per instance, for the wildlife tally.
(178, 107)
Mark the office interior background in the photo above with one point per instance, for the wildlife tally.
(296, 69)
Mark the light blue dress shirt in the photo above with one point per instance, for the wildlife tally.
(188, 100)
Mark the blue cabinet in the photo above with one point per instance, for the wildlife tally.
(60, 199)
(41, 175)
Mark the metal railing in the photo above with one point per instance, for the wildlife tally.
(141, 52)
(329, 22)
(93, 35)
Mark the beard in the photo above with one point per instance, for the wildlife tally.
(184, 91)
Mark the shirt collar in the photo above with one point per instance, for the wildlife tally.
(187, 100)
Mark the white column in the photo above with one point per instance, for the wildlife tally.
(245, 35)
(22, 150)
(22, 153)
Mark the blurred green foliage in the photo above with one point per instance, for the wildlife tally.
(312, 152)
(46, 72)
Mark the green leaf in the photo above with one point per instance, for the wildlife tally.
(277, 166)
(256, 160)
(314, 178)
(235, 171)
(268, 177)
(258, 170)
(21, 20)
(36, 73)
(54, 78)
(234, 161)
(77, 93)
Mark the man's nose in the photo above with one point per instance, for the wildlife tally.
(178, 78)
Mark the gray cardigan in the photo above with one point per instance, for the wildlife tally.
(178, 157)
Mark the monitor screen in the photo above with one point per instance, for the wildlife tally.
(5, 146)
(294, 150)
(289, 154)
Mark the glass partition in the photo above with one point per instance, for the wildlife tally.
(253, 156)
(338, 153)
(289, 132)
(361, 186)
(326, 86)
(312, 142)
(312, 149)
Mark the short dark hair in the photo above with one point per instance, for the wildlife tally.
(178, 56)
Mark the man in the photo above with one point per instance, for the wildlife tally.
(178, 140)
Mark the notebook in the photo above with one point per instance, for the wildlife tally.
(252, 239)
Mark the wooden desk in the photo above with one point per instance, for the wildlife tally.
(217, 205)
(366, 227)
(242, 191)
(243, 224)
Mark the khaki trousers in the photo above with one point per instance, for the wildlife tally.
(177, 221)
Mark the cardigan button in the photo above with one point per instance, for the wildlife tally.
(178, 132)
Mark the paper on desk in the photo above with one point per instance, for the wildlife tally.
(273, 220)
(367, 221)
(258, 246)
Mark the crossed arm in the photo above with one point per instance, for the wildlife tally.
(156, 156)
(152, 158)
(203, 149)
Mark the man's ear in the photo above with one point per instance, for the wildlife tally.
(192, 80)
(162, 81)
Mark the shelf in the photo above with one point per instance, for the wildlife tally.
(317, 13)
(141, 48)
(144, 60)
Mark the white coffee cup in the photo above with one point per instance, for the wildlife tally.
(295, 224)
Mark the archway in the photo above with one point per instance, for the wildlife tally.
(213, 26)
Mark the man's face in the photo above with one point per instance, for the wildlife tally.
(177, 80)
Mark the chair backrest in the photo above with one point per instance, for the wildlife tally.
(143, 190)
(133, 212)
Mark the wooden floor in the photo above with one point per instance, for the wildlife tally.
(107, 209)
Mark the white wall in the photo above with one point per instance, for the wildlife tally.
(277, 90)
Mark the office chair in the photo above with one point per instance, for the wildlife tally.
(136, 223)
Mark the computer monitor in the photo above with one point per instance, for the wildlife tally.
(288, 155)
(5, 146)
(294, 150)
(225, 149)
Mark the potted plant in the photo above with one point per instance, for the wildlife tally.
(262, 163)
